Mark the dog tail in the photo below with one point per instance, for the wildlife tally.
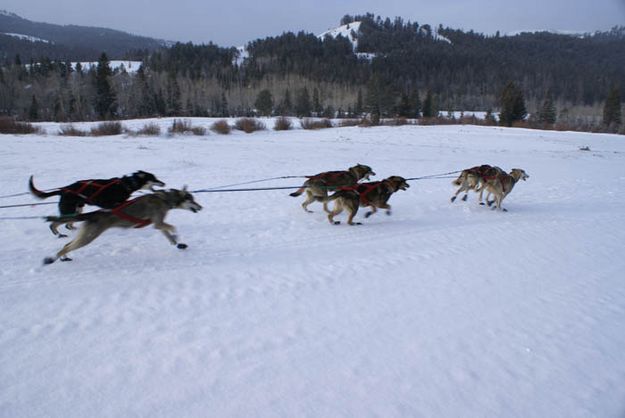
(458, 181)
(298, 192)
(38, 193)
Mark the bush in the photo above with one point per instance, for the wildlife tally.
(399, 121)
(221, 127)
(70, 130)
(283, 124)
(107, 128)
(11, 126)
(308, 123)
(151, 129)
(343, 123)
(184, 127)
(249, 125)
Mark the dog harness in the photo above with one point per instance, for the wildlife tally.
(118, 211)
(84, 185)
(363, 189)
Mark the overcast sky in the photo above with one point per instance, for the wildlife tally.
(236, 22)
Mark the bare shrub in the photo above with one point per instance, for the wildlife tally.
(249, 125)
(71, 130)
(151, 129)
(180, 126)
(399, 121)
(106, 129)
(221, 127)
(11, 126)
(283, 124)
(343, 123)
(309, 123)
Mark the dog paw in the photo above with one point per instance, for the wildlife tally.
(482, 203)
(66, 259)
(453, 199)
(336, 223)
(368, 214)
(464, 198)
(62, 236)
(181, 246)
(388, 213)
(505, 210)
(48, 260)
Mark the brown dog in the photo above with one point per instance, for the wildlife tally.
(373, 195)
(472, 179)
(501, 185)
(317, 186)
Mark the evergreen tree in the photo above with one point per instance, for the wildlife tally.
(174, 103)
(286, 108)
(264, 102)
(512, 105)
(359, 107)
(612, 108)
(316, 104)
(405, 107)
(428, 105)
(302, 103)
(33, 112)
(105, 100)
(416, 104)
(547, 113)
(225, 112)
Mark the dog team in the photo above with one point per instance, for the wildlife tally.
(350, 188)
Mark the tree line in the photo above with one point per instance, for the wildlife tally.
(409, 72)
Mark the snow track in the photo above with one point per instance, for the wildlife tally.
(438, 310)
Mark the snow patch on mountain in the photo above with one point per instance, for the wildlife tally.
(26, 37)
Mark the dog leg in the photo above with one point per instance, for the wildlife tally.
(86, 234)
(170, 233)
(371, 212)
(70, 225)
(309, 199)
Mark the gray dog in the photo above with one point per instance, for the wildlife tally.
(136, 213)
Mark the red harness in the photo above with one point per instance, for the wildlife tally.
(118, 211)
(87, 184)
(363, 189)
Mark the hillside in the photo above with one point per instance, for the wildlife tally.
(439, 310)
(34, 40)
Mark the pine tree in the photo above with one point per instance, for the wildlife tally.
(105, 100)
(264, 102)
(547, 113)
(302, 103)
(416, 104)
(359, 107)
(316, 104)
(612, 108)
(286, 108)
(33, 112)
(405, 107)
(225, 110)
(428, 105)
(512, 105)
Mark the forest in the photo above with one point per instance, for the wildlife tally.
(398, 68)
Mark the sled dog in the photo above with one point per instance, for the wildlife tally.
(136, 213)
(317, 186)
(373, 195)
(105, 193)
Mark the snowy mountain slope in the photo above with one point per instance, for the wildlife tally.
(438, 310)
(26, 37)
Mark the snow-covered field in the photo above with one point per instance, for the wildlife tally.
(440, 310)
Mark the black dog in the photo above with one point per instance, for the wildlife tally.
(105, 193)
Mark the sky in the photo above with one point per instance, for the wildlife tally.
(236, 22)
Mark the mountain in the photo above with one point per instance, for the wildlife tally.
(33, 40)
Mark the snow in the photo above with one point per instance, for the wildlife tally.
(26, 37)
(349, 31)
(440, 310)
(129, 66)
